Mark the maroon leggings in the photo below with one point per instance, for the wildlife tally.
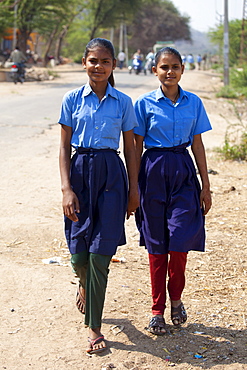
(159, 267)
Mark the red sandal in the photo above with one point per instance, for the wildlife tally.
(92, 342)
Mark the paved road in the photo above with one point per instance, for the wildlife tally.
(30, 108)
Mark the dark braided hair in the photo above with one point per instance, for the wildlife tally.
(167, 50)
(99, 42)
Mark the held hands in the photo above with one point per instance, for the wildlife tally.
(70, 205)
(133, 203)
(205, 200)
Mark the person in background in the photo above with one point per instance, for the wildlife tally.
(121, 58)
(183, 56)
(199, 60)
(149, 61)
(204, 62)
(97, 192)
(17, 56)
(173, 205)
(190, 60)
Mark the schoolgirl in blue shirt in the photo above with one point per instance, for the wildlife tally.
(172, 203)
(97, 193)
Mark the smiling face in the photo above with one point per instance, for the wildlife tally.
(99, 64)
(168, 70)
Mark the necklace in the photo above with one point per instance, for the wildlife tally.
(175, 99)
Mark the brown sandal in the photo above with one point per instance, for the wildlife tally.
(157, 325)
(178, 315)
(80, 300)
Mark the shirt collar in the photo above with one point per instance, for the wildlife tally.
(109, 91)
(160, 95)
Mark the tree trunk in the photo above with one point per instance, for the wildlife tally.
(59, 43)
(23, 36)
(48, 47)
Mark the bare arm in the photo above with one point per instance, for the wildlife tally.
(139, 150)
(70, 201)
(200, 158)
(130, 159)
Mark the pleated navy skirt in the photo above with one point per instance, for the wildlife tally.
(169, 217)
(98, 178)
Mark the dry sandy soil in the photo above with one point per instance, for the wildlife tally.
(41, 327)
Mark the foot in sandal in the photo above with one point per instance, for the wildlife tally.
(178, 313)
(96, 342)
(157, 325)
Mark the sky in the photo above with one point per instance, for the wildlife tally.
(208, 13)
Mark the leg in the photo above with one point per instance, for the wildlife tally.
(79, 263)
(97, 275)
(158, 271)
(176, 283)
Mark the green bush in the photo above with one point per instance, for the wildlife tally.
(235, 152)
(227, 92)
(238, 77)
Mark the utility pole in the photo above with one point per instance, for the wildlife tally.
(112, 34)
(121, 29)
(15, 26)
(226, 44)
(126, 50)
(242, 32)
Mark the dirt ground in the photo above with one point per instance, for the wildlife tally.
(41, 327)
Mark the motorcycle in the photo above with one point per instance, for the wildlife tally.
(17, 72)
(137, 66)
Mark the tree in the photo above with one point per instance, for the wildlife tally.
(217, 37)
(7, 15)
(109, 13)
(157, 20)
(34, 15)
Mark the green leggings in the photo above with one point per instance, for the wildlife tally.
(92, 270)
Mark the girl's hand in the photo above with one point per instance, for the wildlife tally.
(205, 200)
(133, 203)
(70, 205)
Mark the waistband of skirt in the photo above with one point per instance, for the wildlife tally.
(176, 149)
(82, 150)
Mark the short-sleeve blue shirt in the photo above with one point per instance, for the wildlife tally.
(97, 124)
(164, 124)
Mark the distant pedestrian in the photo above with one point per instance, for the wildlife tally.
(121, 58)
(204, 62)
(199, 60)
(183, 56)
(17, 56)
(190, 60)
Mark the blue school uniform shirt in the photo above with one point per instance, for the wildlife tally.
(164, 124)
(97, 124)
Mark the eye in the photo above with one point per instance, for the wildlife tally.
(165, 68)
(93, 61)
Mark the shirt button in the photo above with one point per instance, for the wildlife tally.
(97, 127)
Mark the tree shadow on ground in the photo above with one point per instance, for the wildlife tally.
(194, 344)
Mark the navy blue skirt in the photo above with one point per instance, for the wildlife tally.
(169, 217)
(98, 178)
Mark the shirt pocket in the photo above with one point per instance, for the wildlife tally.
(187, 128)
(111, 128)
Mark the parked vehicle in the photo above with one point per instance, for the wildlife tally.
(17, 72)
